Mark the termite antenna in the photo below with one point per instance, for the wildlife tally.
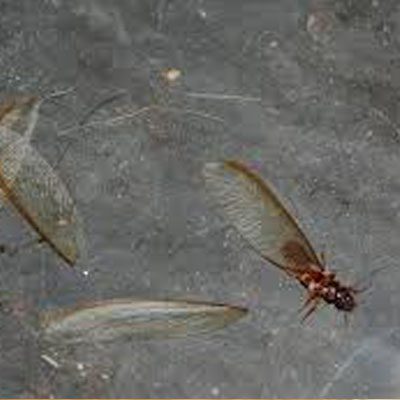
(360, 289)
(346, 320)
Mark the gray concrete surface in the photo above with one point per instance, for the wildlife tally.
(306, 92)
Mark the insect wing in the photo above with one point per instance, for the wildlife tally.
(30, 184)
(115, 319)
(257, 213)
(20, 114)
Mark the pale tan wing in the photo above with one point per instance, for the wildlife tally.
(20, 114)
(256, 212)
(39, 196)
(138, 319)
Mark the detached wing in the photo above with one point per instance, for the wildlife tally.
(256, 212)
(20, 114)
(31, 185)
(141, 319)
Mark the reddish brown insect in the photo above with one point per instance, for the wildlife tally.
(256, 212)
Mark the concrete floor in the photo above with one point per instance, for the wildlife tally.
(304, 91)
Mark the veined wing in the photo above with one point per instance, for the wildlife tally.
(255, 211)
(20, 114)
(30, 184)
(114, 319)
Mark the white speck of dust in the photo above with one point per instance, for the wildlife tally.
(80, 366)
(62, 222)
(202, 13)
(369, 134)
(215, 391)
(172, 74)
(50, 361)
(105, 377)
(273, 44)
(85, 272)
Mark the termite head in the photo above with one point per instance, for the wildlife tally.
(344, 299)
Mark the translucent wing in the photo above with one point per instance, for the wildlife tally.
(256, 212)
(114, 319)
(20, 114)
(29, 183)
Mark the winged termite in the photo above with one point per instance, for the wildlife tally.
(256, 212)
(113, 319)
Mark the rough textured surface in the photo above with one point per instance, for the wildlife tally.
(305, 91)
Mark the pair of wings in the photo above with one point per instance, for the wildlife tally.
(31, 185)
(251, 206)
(114, 319)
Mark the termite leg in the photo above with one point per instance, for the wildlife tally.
(311, 309)
(362, 289)
(311, 296)
(12, 251)
(313, 299)
(346, 319)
